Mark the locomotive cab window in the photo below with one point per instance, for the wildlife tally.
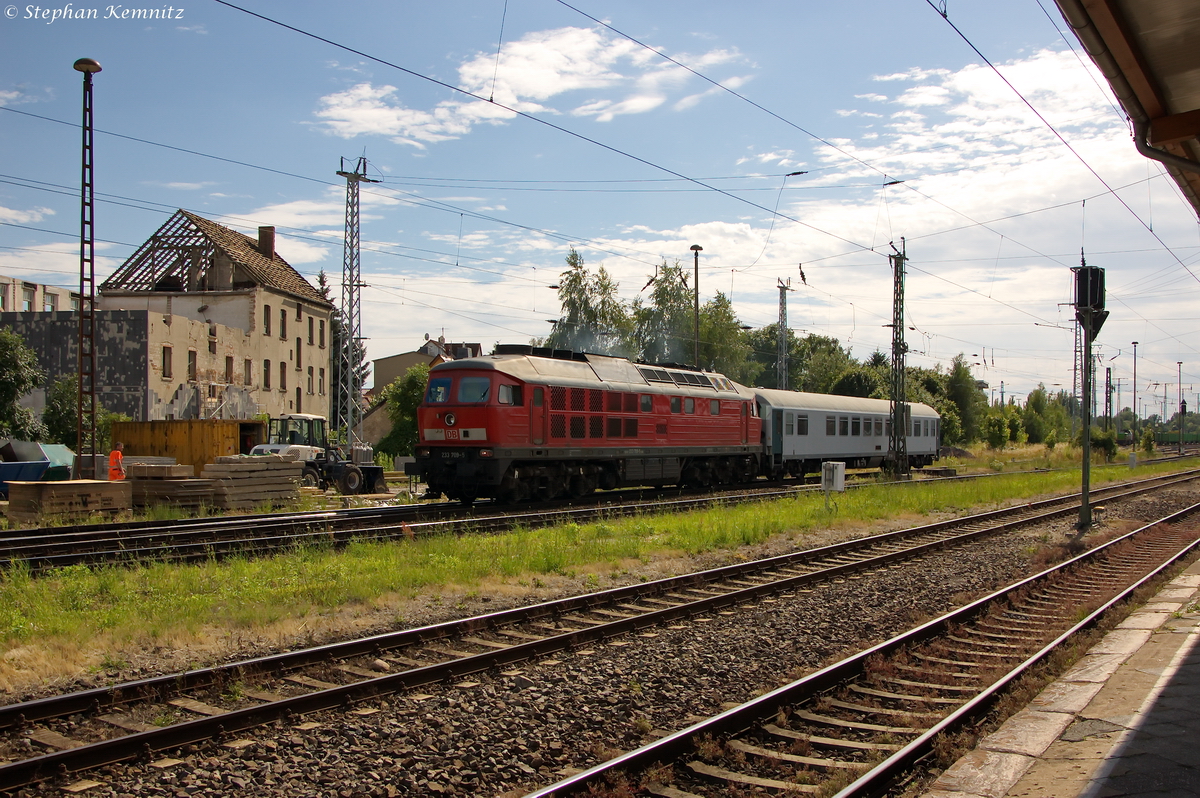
(473, 389)
(509, 395)
(439, 390)
(647, 403)
(676, 404)
(689, 405)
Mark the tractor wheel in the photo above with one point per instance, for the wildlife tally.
(311, 478)
(350, 481)
(380, 486)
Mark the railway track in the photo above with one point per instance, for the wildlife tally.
(95, 727)
(200, 539)
(860, 726)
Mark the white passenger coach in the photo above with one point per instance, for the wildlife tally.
(802, 430)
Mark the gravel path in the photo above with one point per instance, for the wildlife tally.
(506, 733)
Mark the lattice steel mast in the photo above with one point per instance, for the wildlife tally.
(349, 402)
(781, 354)
(85, 417)
(898, 441)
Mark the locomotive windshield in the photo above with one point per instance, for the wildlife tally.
(473, 389)
(439, 390)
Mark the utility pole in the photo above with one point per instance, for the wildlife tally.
(1182, 406)
(85, 416)
(781, 350)
(349, 401)
(1090, 313)
(898, 443)
(1107, 398)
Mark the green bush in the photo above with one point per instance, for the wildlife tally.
(1148, 442)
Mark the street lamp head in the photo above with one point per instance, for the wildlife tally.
(87, 65)
(1135, 343)
(697, 248)
(554, 287)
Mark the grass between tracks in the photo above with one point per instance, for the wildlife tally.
(83, 612)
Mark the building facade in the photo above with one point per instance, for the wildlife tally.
(201, 322)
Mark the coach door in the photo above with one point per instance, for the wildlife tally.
(777, 434)
(537, 417)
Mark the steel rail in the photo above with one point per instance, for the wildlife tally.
(876, 781)
(17, 774)
(59, 706)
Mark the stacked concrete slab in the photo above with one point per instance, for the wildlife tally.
(160, 483)
(245, 482)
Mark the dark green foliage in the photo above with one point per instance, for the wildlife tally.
(861, 381)
(995, 430)
(402, 398)
(61, 416)
(593, 318)
(664, 325)
(19, 374)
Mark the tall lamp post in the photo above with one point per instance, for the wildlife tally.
(1135, 415)
(85, 417)
(696, 250)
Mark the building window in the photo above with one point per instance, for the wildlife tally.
(282, 376)
(50, 302)
(27, 296)
(283, 323)
(229, 369)
(266, 375)
(310, 379)
(3, 298)
(167, 371)
(321, 333)
(266, 319)
(192, 365)
(310, 330)
(299, 365)
(299, 311)
(321, 382)
(74, 301)
(246, 374)
(212, 346)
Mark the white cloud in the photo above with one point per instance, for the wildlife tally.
(30, 216)
(622, 78)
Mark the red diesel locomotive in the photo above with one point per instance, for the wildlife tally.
(532, 423)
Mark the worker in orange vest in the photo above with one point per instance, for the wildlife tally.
(116, 462)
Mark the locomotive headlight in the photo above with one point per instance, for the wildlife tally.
(486, 453)
(449, 419)
(422, 452)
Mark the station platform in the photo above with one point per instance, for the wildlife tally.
(1124, 721)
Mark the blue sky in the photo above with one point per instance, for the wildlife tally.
(478, 207)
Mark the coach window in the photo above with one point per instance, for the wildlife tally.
(510, 395)
(879, 427)
(916, 428)
(439, 391)
(789, 424)
(855, 426)
(473, 389)
(843, 425)
(647, 403)
(830, 425)
(867, 427)
(676, 404)
(689, 405)
(801, 425)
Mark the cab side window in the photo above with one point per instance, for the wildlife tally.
(439, 390)
(510, 395)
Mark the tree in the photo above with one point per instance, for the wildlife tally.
(967, 396)
(764, 350)
(402, 397)
(861, 381)
(60, 417)
(663, 326)
(337, 337)
(19, 374)
(822, 360)
(593, 318)
(724, 346)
